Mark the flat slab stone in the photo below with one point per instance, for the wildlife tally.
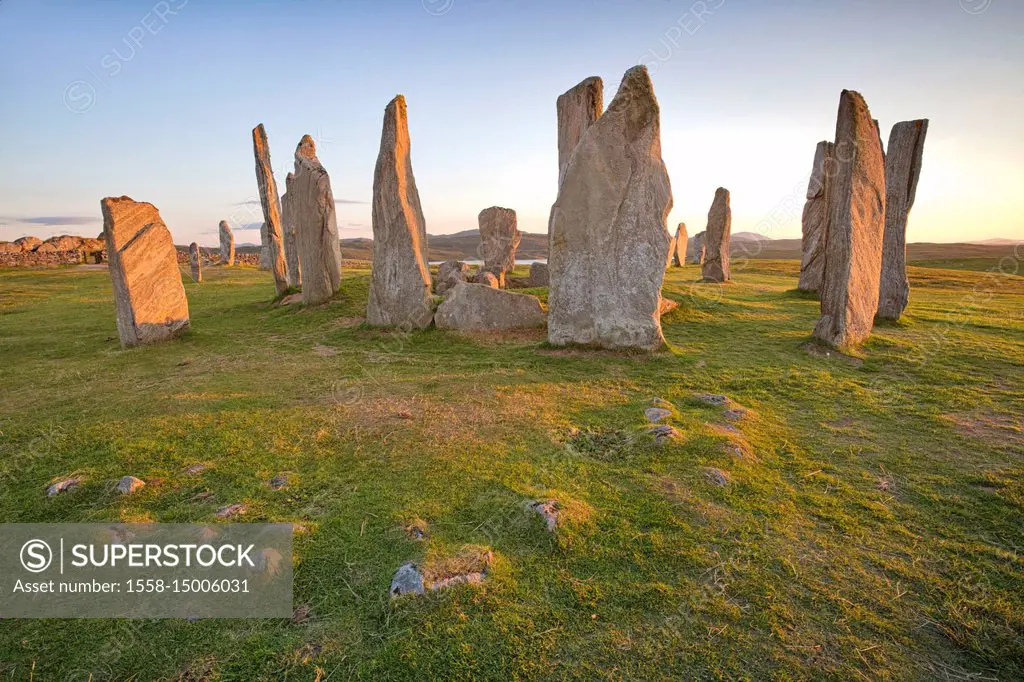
(657, 414)
(476, 307)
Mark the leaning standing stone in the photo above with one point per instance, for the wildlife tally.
(815, 218)
(578, 109)
(227, 244)
(400, 280)
(679, 248)
(853, 245)
(148, 294)
(902, 171)
(716, 259)
(195, 262)
(609, 241)
(311, 205)
(271, 203)
(499, 239)
(291, 247)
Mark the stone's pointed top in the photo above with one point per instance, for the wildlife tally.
(636, 94)
(593, 85)
(224, 225)
(681, 226)
(306, 149)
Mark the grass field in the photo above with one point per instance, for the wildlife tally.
(872, 527)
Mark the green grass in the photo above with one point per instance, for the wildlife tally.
(872, 528)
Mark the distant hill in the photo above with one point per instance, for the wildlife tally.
(464, 245)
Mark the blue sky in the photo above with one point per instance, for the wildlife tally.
(156, 100)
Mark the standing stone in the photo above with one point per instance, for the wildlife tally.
(856, 225)
(227, 244)
(499, 239)
(264, 247)
(578, 109)
(148, 294)
(311, 207)
(195, 262)
(697, 248)
(671, 250)
(815, 218)
(609, 241)
(539, 275)
(400, 280)
(291, 247)
(902, 171)
(680, 246)
(271, 203)
(716, 258)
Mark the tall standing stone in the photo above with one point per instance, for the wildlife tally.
(499, 239)
(856, 225)
(680, 246)
(697, 248)
(227, 244)
(815, 218)
(291, 247)
(609, 240)
(148, 294)
(195, 262)
(902, 171)
(578, 109)
(400, 280)
(717, 235)
(271, 203)
(311, 207)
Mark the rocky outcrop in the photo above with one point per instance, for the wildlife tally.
(271, 203)
(475, 307)
(853, 245)
(609, 241)
(815, 218)
(10, 247)
(311, 206)
(902, 171)
(499, 238)
(679, 246)
(577, 110)
(227, 244)
(450, 273)
(63, 242)
(696, 249)
(539, 275)
(195, 262)
(400, 280)
(148, 294)
(716, 258)
(28, 243)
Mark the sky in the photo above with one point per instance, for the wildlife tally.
(157, 100)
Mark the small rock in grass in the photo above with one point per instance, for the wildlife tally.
(407, 580)
(195, 469)
(62, 486)
(716, 476)
(129, 484)
(417, 529)
(714, 399)
(548, 510)
(663, 433)
(230, 510)
(657, 414)
(735, 414)
(301, 614)
(279, 481)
